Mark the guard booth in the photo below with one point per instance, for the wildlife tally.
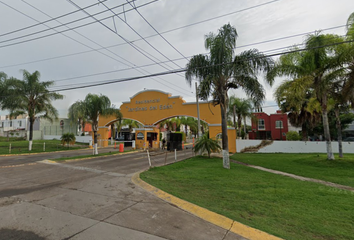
(174, 141)
(147, 138)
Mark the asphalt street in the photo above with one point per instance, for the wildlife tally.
(91, 199)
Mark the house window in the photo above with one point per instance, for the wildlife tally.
(19, 123)
(2, 124)
(279, 124)
(261, 125)
(10, 123)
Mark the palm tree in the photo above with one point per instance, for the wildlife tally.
(204, 143)
(32, 97)
(76, 114)
(294, 96)
(95, 106)
(221, 70)
(119, 117)
(320, 64)
(243, 109)
(68, 138)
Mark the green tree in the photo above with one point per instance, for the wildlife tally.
(293, 96)
(204, 143)
(320, 64)
(68, 138)
(95, 106)
(76, 114)
(32, 97)
(243, 109)
(221, 70)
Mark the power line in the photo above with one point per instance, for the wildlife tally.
(183, 70)
(141, 37)
(67, 35)
(156, 30)
(152, 64)
(131, 44)
(80, 35)
(28, 27)
(116, 45)
(52, 34)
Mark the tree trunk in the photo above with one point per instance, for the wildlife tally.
(304, 131)
(30, 134)
(112, 133)
(239, 123)
(95, 142)
(225, 142)
(339, 132)
(234, 115)
(327, 134)
(83, 127)
(244, 126)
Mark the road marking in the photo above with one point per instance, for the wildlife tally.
(83, 168)
(19, 165)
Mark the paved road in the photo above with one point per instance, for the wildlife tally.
(91, 199)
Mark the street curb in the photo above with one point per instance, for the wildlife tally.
(205, 214)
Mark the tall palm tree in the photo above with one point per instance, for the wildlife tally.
(95, 106)
(76, 114)
(32, 97)
(243, 110)
(319, 63)
(221, 70)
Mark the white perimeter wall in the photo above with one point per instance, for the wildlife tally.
(82, 139)
(294, 146)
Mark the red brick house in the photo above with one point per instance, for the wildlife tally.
(273, 126)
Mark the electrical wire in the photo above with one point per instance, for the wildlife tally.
(52, 34)
(38, 24)
(131, 44)
(183, 70)
(116, 45)
(73, 39)
(156, 30)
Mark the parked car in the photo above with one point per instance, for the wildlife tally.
(348, 139)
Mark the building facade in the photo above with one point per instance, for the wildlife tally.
(273, 126)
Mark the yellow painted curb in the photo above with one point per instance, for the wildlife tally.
(19, 165)
(207, 215)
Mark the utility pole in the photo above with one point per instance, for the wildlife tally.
(196, 94)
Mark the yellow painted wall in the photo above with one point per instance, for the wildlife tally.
(231, 134)
(152, 106)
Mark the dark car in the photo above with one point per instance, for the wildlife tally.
(348, 139)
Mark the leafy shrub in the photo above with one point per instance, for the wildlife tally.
(68, 138)
(293, 136)
(204, 143)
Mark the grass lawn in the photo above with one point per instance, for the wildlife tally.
(279, 205)
(19, 147)
(311, 165)
(90, 156)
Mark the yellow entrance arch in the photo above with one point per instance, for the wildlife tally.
(150, 107)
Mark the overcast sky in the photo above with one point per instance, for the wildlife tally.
(101, 50)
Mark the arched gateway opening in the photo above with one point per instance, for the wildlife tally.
(150, 107)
